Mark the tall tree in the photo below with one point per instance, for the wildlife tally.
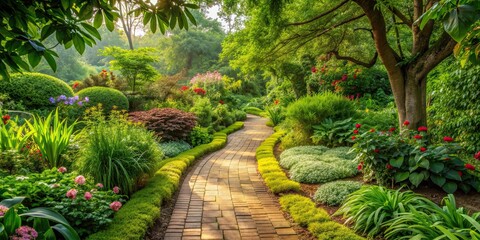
(129, 21)
(407, 50)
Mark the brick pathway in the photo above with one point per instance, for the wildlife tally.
(225, 198)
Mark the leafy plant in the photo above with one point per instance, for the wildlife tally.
(199, 136)
(333, 133)
(12, 136)
(275, 114)
(11, 227)
(203, 109)
(371, 207)
(323, 170)
(334, 193)
(52, 137)
(109, 98)
(173, 148)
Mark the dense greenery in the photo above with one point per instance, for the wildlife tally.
(110, 99)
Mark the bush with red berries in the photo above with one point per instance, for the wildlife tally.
(408, 157)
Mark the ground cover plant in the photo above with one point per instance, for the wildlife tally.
(334, 193)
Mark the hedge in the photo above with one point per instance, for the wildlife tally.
(319, 223)
(269, 168)
(143, 208)
(108, 97)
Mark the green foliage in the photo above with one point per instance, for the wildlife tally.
(275, 114)
(333, 133)
(240, 115)
(11, 226)
(34, 89)
(447, 222)
(223, 116)
(199, 136)
(134, 65)
(319, 223)
(313, 110)
(268, 167)
(117, 153)
(49, 189)
(13, 136)
(254, 111)
(52, 136)
(173, 148)
(455, 109)
(137, 215)
(109, 98)
(409, 158)
(371, 207)
(382, 120)
(334, 193)
(203, 109)
(310, 150)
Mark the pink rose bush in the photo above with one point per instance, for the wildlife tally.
(115, 206)
(80, 180)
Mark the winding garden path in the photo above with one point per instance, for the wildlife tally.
(224, 197)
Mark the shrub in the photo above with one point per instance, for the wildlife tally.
(313, 150)
(254, 111)
(223, 116)
(173, 148)
(312, 110)
(240, 115)
(372, 206)
(334, 193)
(382, 120)
(109, 98)
(203, 109)
(199, 136)
(140, 213)
(167, 123)
(340, 152)
(290, 161)
(333, 133)
(326, 170)
(118, 154)
(332, 231)
(34, 89)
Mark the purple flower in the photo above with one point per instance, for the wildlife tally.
(3, 210)
(52, 100)
(80, 103)
(26, 232)
(75, 98)
(65, 102)
(86, 99)
(62, 98)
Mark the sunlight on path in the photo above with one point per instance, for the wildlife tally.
(225, 198)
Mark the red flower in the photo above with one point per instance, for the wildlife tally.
(344, 77)
(447, 139)
(200, 91)
(389, 167)
(75, 85)
(354, 76)
(376, 150)
(406, 123)
(422, 129)
(221, 102)
(460, 173)
(417, 136)
(477, 155)
(276, 102)
(469, 166)
(422, 149)
(359, 167)
(372, 130)
(184, 88)
(314, 69)
(447, 159)
(392, 129)
(353, 138)
(5, 119)
(355, 131)
(358, 125)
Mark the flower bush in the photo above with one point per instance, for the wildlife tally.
(409, 158)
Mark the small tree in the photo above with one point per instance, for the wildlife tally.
(134, 65)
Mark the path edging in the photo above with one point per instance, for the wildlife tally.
(143, 208)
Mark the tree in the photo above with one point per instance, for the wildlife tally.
(348, 24)
(134, 65)
(128, 20)
(24, 25)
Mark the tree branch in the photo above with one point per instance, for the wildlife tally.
(405, 20)
(320, 15)
(436, 54)
(356, 61)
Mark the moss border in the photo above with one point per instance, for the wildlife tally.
(143, 208)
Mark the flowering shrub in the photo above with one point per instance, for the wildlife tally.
(409, 158)
(200, 91)
(210, 83)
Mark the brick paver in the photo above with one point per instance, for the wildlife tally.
(225, 198)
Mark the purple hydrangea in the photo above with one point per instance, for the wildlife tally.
(52, 100)
(25, 233)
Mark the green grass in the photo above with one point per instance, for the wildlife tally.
(306, 214)
(273, 175)
(143, 208)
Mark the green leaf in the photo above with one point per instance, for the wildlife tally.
(161, 25)
(450, 187)
(79, 43)
(153, 25)
(401, 176)
(98, 20)
(459, 20)
(190, 16)
(437, 167)
(34, 58)
(424, 163)
(438, 180)
(19, 61)
(192, 6)
(452, 174)
(65, 4)
(49, 235)
(415, 178)
(147, 17)
(397, 162)
(51, 61)
(92, 30)
(12, 221)
(109, 24)
(66, 231)
(41, 225)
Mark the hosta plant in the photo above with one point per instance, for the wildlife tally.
(333, 133)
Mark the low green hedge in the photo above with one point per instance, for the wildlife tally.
(143, 208)
(268, 167)
(319, 223)
(254, 111)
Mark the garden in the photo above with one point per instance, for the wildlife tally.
(107, 105)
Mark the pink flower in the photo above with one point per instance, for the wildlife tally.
(355, 131)
(3, 210)
(359, 167)
(358, 125)
(116, 190)
(72, 193)
(25, 233)
(80, 180)
(447, 139)
(62, 169)
(99, 185)
(422, 129)
(314, 69)
(469, 166)
(423, 149)
(477, 155)
(417, 136)
(406, 123)
(115, 206)
(87, 196)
